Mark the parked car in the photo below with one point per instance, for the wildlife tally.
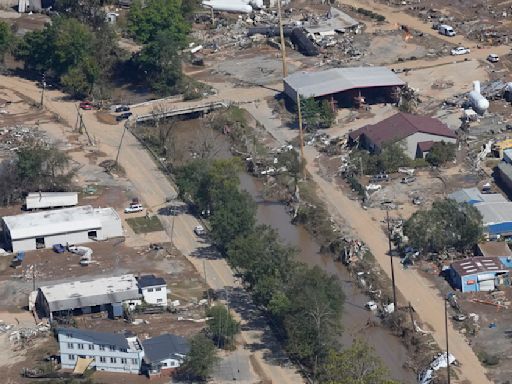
(199, 230)
(460, 51)
(446, 30)
(86, 105)
(459, 317)
(380, 177)
(122, 108)
(123, 116)
(59, 248)
(493, 58)
(134, 208)
(408, 180)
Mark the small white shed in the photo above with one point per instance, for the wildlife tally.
(45, 200)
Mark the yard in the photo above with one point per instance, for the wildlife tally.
(145, 224)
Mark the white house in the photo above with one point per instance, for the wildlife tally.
(153, 289)
(164, 354)
(111, 352)
(30, 231)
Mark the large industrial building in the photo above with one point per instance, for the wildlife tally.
(417, 133)
(90, 296)
(344, 85)
(75, 225)
(478, 274)
(474, 196)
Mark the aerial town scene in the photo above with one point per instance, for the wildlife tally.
(255, 191)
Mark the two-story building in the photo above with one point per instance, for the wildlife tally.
(112, 352)
(153, 289)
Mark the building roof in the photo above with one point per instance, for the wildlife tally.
(505, 170)
(44, 223)
(150, 281)
(164, 347)
(400, 126)
(495, 212)
(476, 265)
(103, 338)
(336, 20)
(78, 294)
(495, 249)
(473, 196)
(314, 84)
(51, 194)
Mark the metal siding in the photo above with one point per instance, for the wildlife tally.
(469, 287)
(501, 228)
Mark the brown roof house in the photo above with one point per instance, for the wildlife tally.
(416, 133)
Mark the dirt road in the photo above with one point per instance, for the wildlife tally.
(153, 188)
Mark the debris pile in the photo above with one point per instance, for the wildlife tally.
(14, 138)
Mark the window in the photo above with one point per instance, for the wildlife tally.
(150, 289)
(70, 346)
(159, 300)
(102, 347)
(113, 360)
(103, 359)
(164, 364)
(123, 350)
(173, 363)
(71, 357)
(123, 360)
(91, 347)
(135, 361)
(69, 335)
(158, 289)
(112, 347)
(80, 346)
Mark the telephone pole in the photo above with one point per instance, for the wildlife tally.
(301, 136)
(119, 150)
(391, 259)
(43, 83)
(446, 336)
(281, 35)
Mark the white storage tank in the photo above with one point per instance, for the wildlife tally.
(479, 103)
(227, 6)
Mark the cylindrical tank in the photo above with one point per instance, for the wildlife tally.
(258, 4)
(227, 6)
(479, 103)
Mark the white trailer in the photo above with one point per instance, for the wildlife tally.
(45, 200)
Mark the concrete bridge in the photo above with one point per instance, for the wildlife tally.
(198, 108)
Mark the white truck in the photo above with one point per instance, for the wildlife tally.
(446, 30)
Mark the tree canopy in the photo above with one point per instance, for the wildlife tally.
(355, 365)
(389, 160)
(447, 224)
(222, 326)
(200, 360)
(441, 153)
(316, 114)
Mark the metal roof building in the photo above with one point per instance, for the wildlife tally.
(43, 200)
(75, 225)
(478, 274)
(338, 80)
(497, 217)
(474, 196)
(87, 295)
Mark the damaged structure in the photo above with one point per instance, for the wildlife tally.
(417, 133)
(345, 86)
(164, 354)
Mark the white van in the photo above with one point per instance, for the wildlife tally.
(446, 30)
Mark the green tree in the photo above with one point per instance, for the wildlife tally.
(316, 114)
(441, 153)
(447, 224)
(158, 16)
(222, 326)
(264, 262)
(90, 12)
(79, 80)
(355, 365)
(201, 359)
(388, 160)
(7, 39)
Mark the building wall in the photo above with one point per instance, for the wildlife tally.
(155, 295)
(411, 142)
(469, 283)
(69, 352)
(64, 238)
(499, 229)
(110, 227)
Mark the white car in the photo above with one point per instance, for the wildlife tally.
(134, 208)
(460, 51)
(199, 230)
(493, 58)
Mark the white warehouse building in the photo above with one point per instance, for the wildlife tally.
(74, 225)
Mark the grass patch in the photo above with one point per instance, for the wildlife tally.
(145, 224)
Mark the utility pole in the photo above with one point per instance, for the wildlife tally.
(391, 259)
(119, 150)
(281, 34)
(33, 277)
(42, 92)
(172, 229)
(446, 336)
(301, 136)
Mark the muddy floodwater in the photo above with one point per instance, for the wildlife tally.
(355, 316)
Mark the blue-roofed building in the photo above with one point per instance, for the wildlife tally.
(478, 274)
(496, 218)
(499, 249)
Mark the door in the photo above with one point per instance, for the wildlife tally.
(486, 285)
(40, 243)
